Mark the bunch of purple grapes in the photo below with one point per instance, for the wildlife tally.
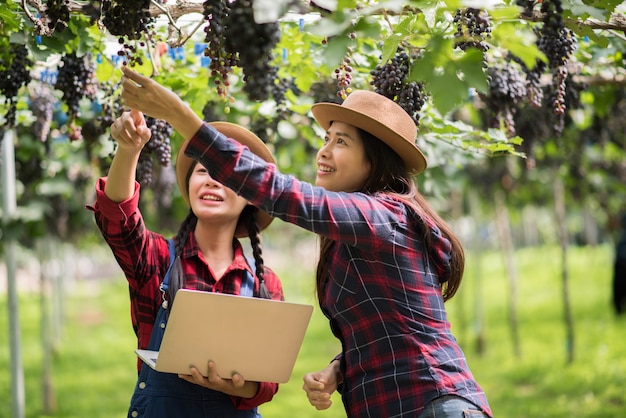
(391, 80)
(76, 79)
(253, 42)
(14, 73)
(158, 147)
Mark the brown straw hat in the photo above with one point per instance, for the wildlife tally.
(245, 137)
(381, 117)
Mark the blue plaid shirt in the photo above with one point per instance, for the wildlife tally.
(383, 296)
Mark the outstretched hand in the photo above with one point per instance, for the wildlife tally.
(151, 98)
(146, 95)
(235, 386)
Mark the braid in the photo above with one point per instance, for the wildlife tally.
(176, 274)
(248, 216)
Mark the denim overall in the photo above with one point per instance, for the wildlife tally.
(161, 395)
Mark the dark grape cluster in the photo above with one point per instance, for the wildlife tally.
(42, 105)
(253, 43)
(76, 79)
(557, 43)
(222, 61)
(507, 88)
(58, 13)
(129, 20)
(391, 81)
(473, 26)
(158, 147)
(14, 73)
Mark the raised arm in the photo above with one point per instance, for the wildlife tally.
(131, 133)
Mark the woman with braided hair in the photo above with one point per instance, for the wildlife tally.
(207, 256)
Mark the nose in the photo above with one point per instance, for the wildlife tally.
(212, 183)
(324, 150)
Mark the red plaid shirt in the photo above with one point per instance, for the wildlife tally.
(383, 297)
(144, 258)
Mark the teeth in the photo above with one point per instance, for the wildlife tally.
(325, 169)
(208, 197)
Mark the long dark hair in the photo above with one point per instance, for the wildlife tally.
(247, 217)
(389, 175)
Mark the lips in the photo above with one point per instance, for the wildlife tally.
(211, 197)
(324, 168)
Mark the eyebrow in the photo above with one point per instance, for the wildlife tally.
(343, 134)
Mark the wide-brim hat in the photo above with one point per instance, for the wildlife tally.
(381, 117)
(245, 137)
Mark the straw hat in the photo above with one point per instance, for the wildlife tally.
(381, 117)
(245, 137)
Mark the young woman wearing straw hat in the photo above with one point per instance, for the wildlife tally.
(387, 261)
(207, 256)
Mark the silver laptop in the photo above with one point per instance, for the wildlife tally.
(257, 338)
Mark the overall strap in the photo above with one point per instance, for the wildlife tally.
(247, 286)
(166, 279)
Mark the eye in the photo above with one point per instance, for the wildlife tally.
(341, 141)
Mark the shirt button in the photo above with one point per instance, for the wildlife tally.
(162, 325)
(134, 414)
(142, 385)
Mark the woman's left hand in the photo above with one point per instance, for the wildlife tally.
(235, 386)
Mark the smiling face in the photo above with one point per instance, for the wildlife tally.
(341, 162)
(211, 201)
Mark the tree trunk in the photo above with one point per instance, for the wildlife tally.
(506, 243)
(559, 208)
(477, 252)
(45, 250)
(9, 209)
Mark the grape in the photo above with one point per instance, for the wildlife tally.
(507, 88)
(158, 147)
(14, 73)
(58, 13)
(42, 106)
(473, 26)
(128, 20)
(390, 80)
(76, 80)
(253, 43)
(222, 61)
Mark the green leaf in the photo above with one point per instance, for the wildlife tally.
(521, 43)
(582, 10)
(390, 47)
(335, 50)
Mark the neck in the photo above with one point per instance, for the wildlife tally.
(216, 245)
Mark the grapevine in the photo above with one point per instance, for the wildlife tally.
(253, 43)
(222, 61)
(157, 148)
(473, 27)
(14, 73)
(58, 13)
(76, 80)
(128, 20)
(391, 81)
(507, 89)
(42, 105)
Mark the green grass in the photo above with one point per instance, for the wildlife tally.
(94, 365)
